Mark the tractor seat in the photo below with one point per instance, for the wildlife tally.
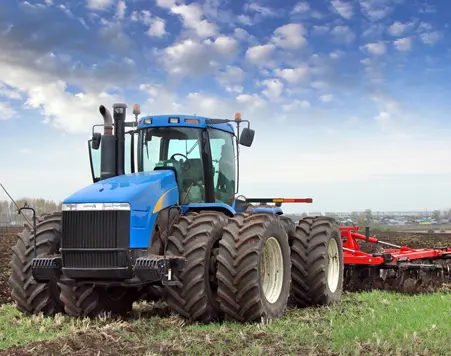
(192, 171)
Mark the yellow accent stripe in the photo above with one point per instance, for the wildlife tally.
(159, 205)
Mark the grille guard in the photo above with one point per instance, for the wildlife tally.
(145, 270)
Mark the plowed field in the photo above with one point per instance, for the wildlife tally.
(8, 239)
(152, 330)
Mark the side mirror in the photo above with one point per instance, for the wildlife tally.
(96, 138)
(247, 137)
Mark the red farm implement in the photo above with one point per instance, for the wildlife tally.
(397, 268)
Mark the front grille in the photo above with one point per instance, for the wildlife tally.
(95, 231)
(95, 259)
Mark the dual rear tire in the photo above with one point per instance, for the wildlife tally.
(247, 267)
(318, 263)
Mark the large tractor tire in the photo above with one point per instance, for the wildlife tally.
(196, 237)
(254, 268)
(91, 301)
(30, 296)
(317, 263)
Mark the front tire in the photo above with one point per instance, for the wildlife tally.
(30, 296)
(254, 268)
(91, 301)
(196, 237)
(318, 262)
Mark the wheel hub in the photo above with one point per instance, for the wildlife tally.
(271, 270)
(333, 268)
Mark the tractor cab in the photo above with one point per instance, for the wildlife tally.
(203, 154)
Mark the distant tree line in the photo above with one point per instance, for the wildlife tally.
(9, 215)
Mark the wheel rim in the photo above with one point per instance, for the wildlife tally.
(333, 268)
(271, 270)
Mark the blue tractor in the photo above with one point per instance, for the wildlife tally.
(162, 220)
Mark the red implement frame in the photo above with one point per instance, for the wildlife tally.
(354, 255)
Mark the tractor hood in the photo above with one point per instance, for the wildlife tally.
(141, 190)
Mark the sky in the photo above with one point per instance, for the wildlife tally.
(350, 99)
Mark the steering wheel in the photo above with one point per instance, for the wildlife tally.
(186, 160)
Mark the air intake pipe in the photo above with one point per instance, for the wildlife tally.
(119, 114)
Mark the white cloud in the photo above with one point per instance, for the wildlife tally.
(301, 8)
(9, 93)
(337, 54)
(296, 105)
(260, 53)
(376, 10)
(373, 31)
(231, 78)
(242, 35)
(343, 34)
(390, 118)
(373, 70)
(244, 19)
(120, 9)
(192, 18)
(157, 28)
(403, 44)
(251, 101)
(326, 98)
(428, 9)
(166, 4)
(321, 29)
(98, 4)
(293, 75)
(376, 48)
(157, 25)
(399, 28)
(430, 38)
(262, 10)
(6, 111)
(274, 88)
(343, 8)
(424, 26)
(190, 57)
(319, 85)
(290, 36)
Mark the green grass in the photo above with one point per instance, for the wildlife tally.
(369, 323)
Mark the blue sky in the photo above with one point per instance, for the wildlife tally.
(350, 99)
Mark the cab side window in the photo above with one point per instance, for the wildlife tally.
(223, 160)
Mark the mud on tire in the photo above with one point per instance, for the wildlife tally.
(241, 290)
(196, 237)
(91, 301)
(30, 296)
(310, 262)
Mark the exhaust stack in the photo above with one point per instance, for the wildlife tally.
(108, 120)
(108, 167)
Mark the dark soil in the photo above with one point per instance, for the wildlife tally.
(416, 240)
(7, 240)
(80, 344)
(110, 342)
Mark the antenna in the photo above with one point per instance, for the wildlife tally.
(18, 209)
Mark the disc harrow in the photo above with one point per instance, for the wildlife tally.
(398, 268)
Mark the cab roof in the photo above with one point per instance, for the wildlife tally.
(179, 120)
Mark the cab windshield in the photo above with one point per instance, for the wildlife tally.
(181, 148)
